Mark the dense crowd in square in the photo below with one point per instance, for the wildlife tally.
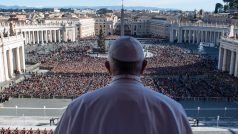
(173, 71)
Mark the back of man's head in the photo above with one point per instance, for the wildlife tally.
(126, 56)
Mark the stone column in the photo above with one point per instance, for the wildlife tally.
(232, 63)
(218, 37)
(171, 35)
(202, 38)
(182, 36)
(198, 37)
(236, 65)
(33, 37)
(59, 35)
(22, 58)
(10, 63)
(189, 36)
(74, 35)
(224, 60)
(45, 36)
(221, 52)
(214, 37)
(42, 37)
(6, 74)
(50, 37)
(210, 36)
(25, 37)
(55, 37)
(65, 35)
(194, 35)
(220, 58)
(205, 36)
(17, 60)
(185, 36)
(31, 32)
(28, 37)
(43, 33)
(38, 37)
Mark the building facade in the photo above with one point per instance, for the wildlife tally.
(159, 28)
(140, 28)
(86, 28)
(107, 24)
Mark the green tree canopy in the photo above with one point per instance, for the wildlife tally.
(226, 1)
(101, 41)
(218, 8)
(233, 4)
(229, 4)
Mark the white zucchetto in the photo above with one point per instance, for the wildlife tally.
(127, 49)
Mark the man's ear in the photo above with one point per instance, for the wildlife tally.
(107, 65)
(144, 64)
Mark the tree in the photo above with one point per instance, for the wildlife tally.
(201, 12)
(226, 5)
(230, 4)
(226, 8)
(218, 8)
(104, 11)
(233, 4)
(226, 1)
(101, 41)
(195, 14)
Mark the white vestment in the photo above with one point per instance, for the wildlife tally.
(124, 107)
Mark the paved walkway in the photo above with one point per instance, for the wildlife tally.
(214, 130)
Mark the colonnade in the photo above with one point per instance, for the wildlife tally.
(42, 36)
(195, 35)
(12, 57)
(47, 33)
(228, 56)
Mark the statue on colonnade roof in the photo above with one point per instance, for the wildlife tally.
(12, 28)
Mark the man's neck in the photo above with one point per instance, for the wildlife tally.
(126, 76)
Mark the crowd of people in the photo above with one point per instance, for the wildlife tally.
(3, 98)
(62, 85)
(208, 87)
(49, 85)
(173, 71)
(172, 60)
(24, 131)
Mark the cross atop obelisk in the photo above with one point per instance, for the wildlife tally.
(122, 20)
